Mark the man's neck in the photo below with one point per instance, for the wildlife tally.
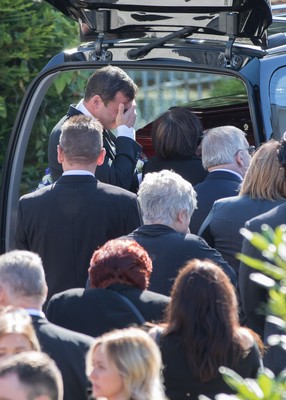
(68, 168)
(28, 304)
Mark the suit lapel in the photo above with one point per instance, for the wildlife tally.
(109, 144)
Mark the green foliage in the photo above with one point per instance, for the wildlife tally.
(228, 87)
(272, 244)
(67, 87)
(31, 32)
(266, 386)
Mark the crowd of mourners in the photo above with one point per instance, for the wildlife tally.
(125, 282)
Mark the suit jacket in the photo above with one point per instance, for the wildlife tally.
(275, 355)
(221, 227)
(253, 296)
(68, 349)
(218, 184)
(170, 250)
(190, 168)
(65, 222)
(120, 161)
(96, 311)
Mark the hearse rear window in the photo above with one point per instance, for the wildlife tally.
(216, 99)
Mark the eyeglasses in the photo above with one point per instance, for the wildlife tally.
(250, 149)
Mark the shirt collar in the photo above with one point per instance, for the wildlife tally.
(77, 172)
(82, 108)
(34, 312)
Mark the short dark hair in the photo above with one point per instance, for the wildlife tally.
(176, 133)
(81, 139)
(37, 372)
(106, 82)
(120, 261)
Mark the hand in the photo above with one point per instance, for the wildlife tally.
(128, 117)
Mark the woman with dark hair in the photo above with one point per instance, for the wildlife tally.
(118, 297)
(175, 138)
(203, 334)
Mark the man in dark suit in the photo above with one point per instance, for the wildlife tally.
(252, 294)
(110, 98)
(167, 202)
(66, 221)
(225, 154)
(23, 284)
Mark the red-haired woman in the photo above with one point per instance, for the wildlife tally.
(118, 297)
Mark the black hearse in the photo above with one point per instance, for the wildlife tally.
(223, 58)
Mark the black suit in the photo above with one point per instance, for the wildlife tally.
(96, 311)
(65, 222)
(170, 250)
(252, 294)
(217, 184)
(275, 355)
(68, 349)
(120, 161)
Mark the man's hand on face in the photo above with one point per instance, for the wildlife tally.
(126, 117)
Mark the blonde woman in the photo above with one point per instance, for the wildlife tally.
(16, 332)
(125, 365)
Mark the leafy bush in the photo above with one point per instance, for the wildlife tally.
(272, 244)
(31, 33)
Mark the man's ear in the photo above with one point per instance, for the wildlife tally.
(60, 154)
(45, 293)
(101, 157)
(239, 158)
(3, 297)
(180, 216)
(96, 101)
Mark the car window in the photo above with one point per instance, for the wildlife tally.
(278, 102)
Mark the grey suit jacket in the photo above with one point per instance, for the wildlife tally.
(221, 227)
(253, 296)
